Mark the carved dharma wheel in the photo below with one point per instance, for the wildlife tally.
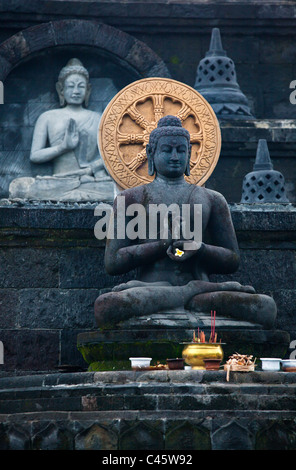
(133, 113)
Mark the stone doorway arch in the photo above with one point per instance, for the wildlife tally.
(29, 65)
(122, 46)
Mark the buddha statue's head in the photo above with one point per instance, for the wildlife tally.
(73, 85)
(169, 149)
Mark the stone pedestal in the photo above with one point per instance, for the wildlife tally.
(160, 337)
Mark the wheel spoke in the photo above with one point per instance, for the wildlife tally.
(138, 161)
(158, 107)
(184, 112)
(196, 137)
(137, 116)
(130, 138)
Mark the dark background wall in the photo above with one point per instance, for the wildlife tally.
(52, 270)
(51, 267)
(259, 36)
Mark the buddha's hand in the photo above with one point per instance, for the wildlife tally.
(182, 250)
(71, 137)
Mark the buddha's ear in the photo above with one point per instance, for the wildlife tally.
(187, 170)
(59, 88)
(87, 94)
(151, 167)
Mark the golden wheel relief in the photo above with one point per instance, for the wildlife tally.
(135, 111)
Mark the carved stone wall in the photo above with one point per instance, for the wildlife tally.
(160, 411)
(52, 270)
(258, 37)
(30, 62)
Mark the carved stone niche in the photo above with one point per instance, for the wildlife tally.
(30, 63)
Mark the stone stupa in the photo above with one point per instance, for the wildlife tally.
(263, 184)
(216, 81)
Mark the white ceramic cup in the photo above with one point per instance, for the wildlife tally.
(270, 363)
(140, 361)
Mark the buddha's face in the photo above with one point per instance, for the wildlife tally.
(75, 89)
(171, 156)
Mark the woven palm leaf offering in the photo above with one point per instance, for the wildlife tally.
(239, 363)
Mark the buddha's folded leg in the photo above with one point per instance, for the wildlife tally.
(113, 307)
(116, 306)
(255, 308)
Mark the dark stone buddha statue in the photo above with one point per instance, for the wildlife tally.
(174, 272)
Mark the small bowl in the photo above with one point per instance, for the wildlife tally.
(270, 363)
(175, 364)
(212, 364)
(289, 365)
(140, 362)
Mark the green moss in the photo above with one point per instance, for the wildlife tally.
(100, 366)
(112, 355)
(175, 60)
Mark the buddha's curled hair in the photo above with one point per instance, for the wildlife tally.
(168, 125)
(73, 66)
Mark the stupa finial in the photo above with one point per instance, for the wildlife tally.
(262, 161)
(216, 44)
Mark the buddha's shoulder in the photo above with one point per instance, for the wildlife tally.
(133, 195)
(61, 112)
(210, 195)
(50, 115)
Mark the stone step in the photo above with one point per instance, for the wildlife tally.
(155, 391)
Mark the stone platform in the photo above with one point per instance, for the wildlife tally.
(161, 336)
(48, 297)
(157, 410)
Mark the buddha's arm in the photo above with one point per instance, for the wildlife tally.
(127, 258)
(39, 152)
(122, 255)
(222, 256)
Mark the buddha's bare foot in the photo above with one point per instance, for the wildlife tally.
(127, 285)
(200, 287)
(236, 286)
(135, 283)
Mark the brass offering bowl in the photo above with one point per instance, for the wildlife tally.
(195, 353)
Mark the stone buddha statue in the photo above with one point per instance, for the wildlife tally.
(67, 137)
(175, 272)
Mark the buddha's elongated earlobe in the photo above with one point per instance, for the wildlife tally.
(87, 95)
(187, 170)
(151, 167)
(59, 88)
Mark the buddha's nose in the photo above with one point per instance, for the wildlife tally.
(174, 155)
